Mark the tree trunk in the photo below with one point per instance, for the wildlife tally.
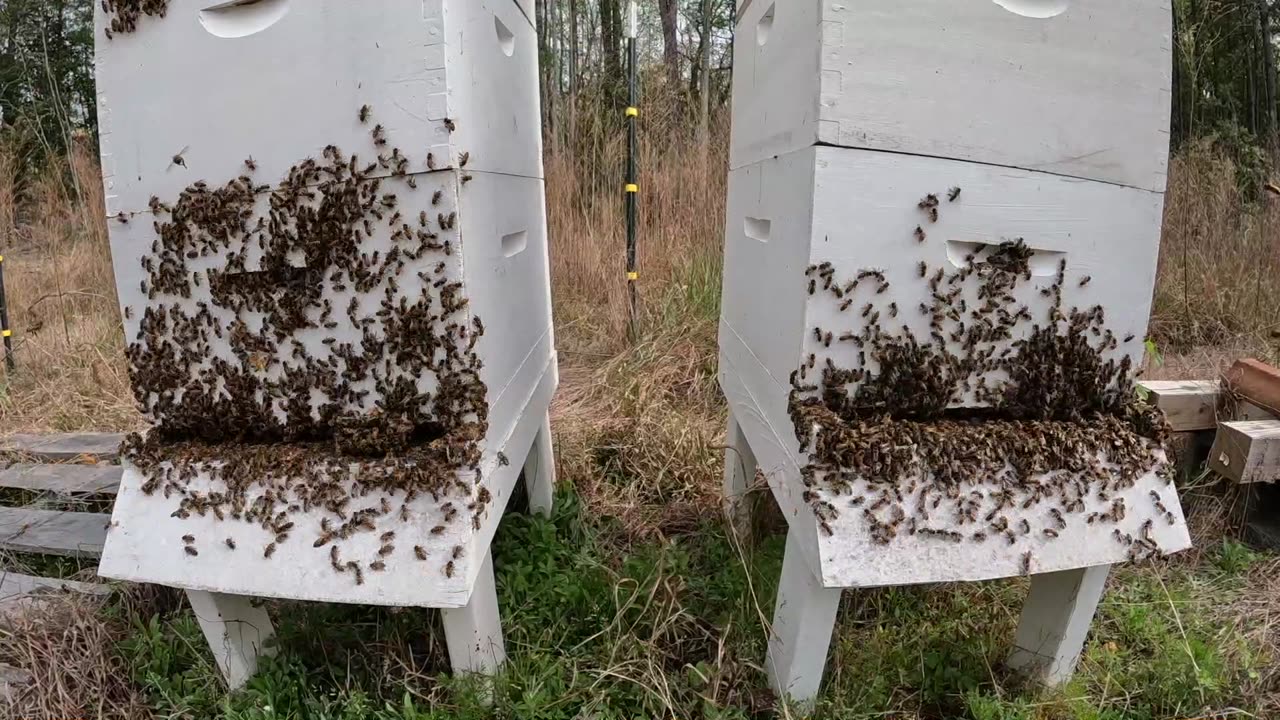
(670, 50)
(611, 36)
(1268, 68)
(573, 77)
(705, 89)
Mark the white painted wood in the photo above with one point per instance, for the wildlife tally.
(540, 470)
(145, 544)
(1084, 93)
(239, 632)
(805, 198)
(767, 313)
(64, 480)
(1055, 620)
(278, 81)
(59, 447)
(739, 474)
(283, 91)
(803, 619)
(473, 632)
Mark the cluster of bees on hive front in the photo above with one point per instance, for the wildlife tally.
(1054, 428)
(124, 14)
(287, 356)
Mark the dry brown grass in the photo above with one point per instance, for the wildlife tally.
(61, 293)
(1219, 272)
(71, 649)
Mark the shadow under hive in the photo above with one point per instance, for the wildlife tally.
(298, 368)
(998, 409)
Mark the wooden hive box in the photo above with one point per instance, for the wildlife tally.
(846, 116)
(412, 138)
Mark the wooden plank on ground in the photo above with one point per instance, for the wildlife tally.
(63, 479)
(1188, 404)
(53, 532)
(1257, 382)
(12, 680)
(60, 447)
(1247, 451)
(15, 585)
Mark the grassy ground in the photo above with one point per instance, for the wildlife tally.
(632, 602)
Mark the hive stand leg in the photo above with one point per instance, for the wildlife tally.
(237, 631)
(803, 619)
(1055, 619)
(540, 470)
(739, 474)
(473, 632)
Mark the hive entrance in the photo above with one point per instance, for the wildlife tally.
(1011, 401)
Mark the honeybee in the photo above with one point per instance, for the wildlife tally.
(419, 552)
(251, 163)
(178, 159)
(269, 550)
(502, 459)
(364, 113)
(188, 539)
(437, 530)
(953, 194)
(1026, 563)
(463, 159)
(450, 124)
(457, 551)
(1085, 280)
(920, 234)
(377, 566)
(448, 569)
(191, 551)
(231, 544)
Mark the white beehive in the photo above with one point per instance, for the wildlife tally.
(1050, 117)
(1071, 87)
(192, 96)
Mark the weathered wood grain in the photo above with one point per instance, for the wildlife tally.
(63, 479)
(63, 446)
(52, 532)
(1247, 451)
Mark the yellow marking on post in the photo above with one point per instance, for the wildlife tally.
(633, 112)
(1, 258)
(5, 333)
(632, 187)
(633, 275)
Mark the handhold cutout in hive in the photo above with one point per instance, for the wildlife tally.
(1038, 9)
(240, 18)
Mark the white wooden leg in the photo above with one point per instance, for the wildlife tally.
(739, 474)
(803, 619)
(1055, 619)
(540, 470)
(474, 632)
(237, 631)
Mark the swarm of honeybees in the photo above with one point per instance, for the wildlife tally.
(124, 14)
(295, 363)
(1051, 423)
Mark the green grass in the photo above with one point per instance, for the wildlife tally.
(672, 629)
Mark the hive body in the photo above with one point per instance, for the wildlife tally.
(213, 93)
(846, 116)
